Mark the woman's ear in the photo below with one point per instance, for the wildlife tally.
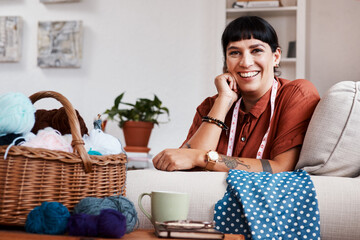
(277, 57)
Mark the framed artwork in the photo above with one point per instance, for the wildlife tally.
(60, 44)
(10, 38)
(58, 1)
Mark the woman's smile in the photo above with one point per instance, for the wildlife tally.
(248, 74)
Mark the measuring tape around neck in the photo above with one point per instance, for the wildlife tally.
(235, 118)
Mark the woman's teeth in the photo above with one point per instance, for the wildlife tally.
(248, 74)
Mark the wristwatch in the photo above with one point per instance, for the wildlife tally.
(212, 157)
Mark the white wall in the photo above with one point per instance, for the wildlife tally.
(333, 40)
(167, 47)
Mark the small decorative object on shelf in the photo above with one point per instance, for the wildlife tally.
(137, 121)
(239, 4)
(292, 49)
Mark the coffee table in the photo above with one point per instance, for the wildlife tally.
(138, 234)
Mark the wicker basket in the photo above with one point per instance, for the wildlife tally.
(30, 176)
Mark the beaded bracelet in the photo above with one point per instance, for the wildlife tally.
(215, 121)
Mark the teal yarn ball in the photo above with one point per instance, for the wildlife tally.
(17, 114)
(49, 218)
(93, 206)
(92, 152)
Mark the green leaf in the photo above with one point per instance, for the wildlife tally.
(143, 109)
(118, 100)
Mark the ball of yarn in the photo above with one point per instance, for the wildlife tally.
(83, 225)
(101, 142)
(17, 114)
(49, 218)
(57, 119)
(93, 206)
(109, 223)
(49, 138)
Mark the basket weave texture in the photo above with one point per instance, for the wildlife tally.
(30, 176)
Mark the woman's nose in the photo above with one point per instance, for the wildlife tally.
(246, 60)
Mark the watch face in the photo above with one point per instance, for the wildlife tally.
(214, 156)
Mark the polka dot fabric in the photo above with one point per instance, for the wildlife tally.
(269, 206)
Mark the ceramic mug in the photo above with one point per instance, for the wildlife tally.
(166, 206)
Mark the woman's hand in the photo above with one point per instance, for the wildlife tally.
(226, 86)
(179, 159)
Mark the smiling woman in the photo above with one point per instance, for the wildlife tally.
(267, 116)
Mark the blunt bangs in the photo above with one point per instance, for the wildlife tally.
(248, 27)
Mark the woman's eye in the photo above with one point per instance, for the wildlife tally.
(257, 50)
(234, 53)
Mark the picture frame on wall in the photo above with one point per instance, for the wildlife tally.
(10, 38)
(60, 44)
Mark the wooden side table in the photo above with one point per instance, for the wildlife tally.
(138, 234)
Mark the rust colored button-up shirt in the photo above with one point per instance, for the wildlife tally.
(294, 105)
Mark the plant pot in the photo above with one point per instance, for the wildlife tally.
(137, 135)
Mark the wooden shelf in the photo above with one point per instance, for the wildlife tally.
(269, 9)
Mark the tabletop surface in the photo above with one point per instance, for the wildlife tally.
(138, 234)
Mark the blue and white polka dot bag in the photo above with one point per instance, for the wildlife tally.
(269, 206)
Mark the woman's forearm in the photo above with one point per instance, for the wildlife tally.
(208, 134)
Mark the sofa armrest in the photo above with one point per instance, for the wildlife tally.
(339, 207)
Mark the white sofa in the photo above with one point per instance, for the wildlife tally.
(331, 154)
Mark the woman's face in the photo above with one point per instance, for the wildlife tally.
(252, 63)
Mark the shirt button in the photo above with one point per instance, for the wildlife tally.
(243, 139)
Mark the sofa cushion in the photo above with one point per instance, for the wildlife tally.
(332, 141)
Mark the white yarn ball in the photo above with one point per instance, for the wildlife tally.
(101, 142)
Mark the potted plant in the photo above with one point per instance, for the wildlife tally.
(137, 120)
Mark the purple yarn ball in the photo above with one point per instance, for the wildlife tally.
(111, 223)
(83, 225)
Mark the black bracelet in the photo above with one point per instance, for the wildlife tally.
(219, 123)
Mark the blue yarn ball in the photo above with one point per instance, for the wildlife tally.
(17, 114)
(93, 206)
(49, 218)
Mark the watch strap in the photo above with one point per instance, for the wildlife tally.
(210, 165)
